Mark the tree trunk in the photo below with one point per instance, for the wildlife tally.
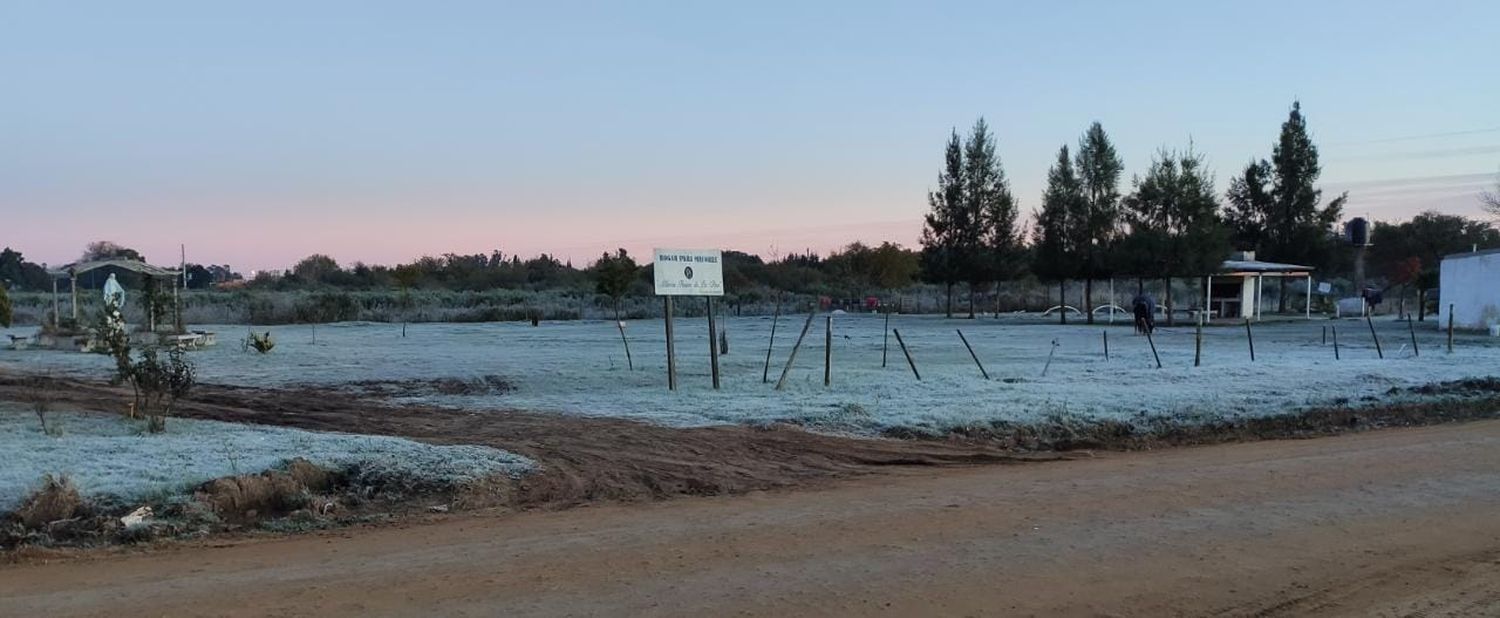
(1281, 302)
(1421, 304)
(971, 301)
(1088, 300)
(1062, 301)
(950, 300)
(1140, 286)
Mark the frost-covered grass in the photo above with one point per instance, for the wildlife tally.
(112, 459)
(579, 368)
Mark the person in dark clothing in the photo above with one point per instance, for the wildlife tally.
(1144, 308)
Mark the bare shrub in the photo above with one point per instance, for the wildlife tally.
(56, 500)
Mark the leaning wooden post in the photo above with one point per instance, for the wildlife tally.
(1050, 354)
(1450, 329)
(961, 337)
(1153, 348)
(1325, 335)
(885, 339)
(1335, 331)
(796, 346)
(1371, 322)
(671, 349)
(629, 362)
(828, 351)
(907, 352)
(1106, 344)
(765, 374)
(1413, 330)
(713, 343)
(1250, 337)
(1198, 343)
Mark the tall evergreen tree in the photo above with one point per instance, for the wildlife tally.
(1250, 202)
(1298, 231)
(991, 248)
(1055, 237)
(1099, 169)
(946, 223)
(1175, 228)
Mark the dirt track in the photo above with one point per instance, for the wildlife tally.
(1381, 523)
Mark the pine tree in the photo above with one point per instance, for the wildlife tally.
(990, 248)
(1250, 202)
(1173, 215)
(1297, 230)
(945, 223)
(1099, 169)
(1056, 256)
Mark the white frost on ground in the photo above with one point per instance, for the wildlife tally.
(111, 458)
(579, 368)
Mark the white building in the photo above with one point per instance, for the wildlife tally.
(1470, 286)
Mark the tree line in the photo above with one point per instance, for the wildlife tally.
(1171, 223)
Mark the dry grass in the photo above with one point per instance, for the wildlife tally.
(56, 500)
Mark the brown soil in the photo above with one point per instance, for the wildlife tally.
(1389, 523)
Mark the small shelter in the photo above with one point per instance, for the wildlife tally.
(1469, 288)
(71, 272)
(1236, 290)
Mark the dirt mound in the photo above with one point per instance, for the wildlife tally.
(56, 500)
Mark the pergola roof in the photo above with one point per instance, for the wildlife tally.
(1257, 267)
(78, 268)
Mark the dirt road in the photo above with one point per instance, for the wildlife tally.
(1382, 523)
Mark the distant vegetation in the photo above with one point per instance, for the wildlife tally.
(1171, 224)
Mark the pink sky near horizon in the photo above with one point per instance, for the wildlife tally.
(229, 235)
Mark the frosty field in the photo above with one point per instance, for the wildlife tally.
(580, 368)
(112, 459)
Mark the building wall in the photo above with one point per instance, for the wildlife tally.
(1471, 285)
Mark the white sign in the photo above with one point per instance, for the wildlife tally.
(689, 272)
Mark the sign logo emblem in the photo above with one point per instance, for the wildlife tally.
(688, 272)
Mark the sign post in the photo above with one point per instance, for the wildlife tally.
(689, 272)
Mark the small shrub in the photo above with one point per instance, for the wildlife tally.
(262, 343)
(56, 500)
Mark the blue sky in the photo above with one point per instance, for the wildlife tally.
(257, 133)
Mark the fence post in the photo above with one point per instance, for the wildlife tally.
(907, 352)
(1374, 336)
(961, 337)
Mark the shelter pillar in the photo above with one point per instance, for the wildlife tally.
(1309, 296)
(73, 279)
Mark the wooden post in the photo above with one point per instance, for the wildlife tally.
(1371, 322)
(885, 339)
(1413, 330)
(1450, 329)
(961, 337)
(1335, 331)
(765, 374)
(56, 316)
(74, 279)
(1050, 354)
(629, 362)
(1250, 337)
(796, 346)
(671, 349)
(713, 343)
(828, 351)
(909, 361)
(1106, 345)
(1325, 335)
(1198, 342)
(1153, 348)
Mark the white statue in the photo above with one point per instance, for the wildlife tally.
(114, 292)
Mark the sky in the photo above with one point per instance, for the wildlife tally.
(258, 133)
